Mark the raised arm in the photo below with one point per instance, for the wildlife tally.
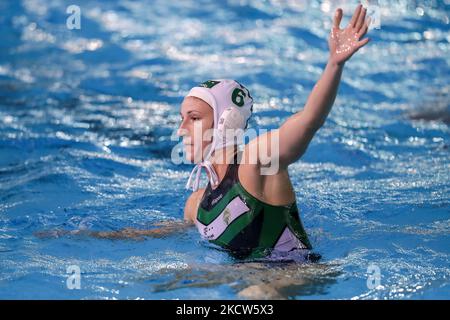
(297, 131)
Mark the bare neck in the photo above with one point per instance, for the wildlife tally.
(220, 160)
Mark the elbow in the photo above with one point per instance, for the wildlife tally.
(312, 123)
(315, 124)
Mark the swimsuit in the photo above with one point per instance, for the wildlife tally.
(233, 219)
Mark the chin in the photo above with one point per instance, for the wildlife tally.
(189, 158)
(190, 154)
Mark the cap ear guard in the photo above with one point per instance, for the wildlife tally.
(231, 118)
(230, 127)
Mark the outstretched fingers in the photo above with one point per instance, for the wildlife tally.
(361, 18)
(337, 18)
(355, 17)
(364, 29)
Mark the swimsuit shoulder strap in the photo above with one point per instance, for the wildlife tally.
(234, 167)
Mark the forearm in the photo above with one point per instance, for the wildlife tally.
(322, 97)
(164, 229)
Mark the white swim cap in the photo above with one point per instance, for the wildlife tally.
(232, 105)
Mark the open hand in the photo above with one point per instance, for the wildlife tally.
(344, 43)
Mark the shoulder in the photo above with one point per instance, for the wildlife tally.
(263, 151)
(263, 176)
(260, 158)
(192, 203)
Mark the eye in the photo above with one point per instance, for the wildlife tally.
(194, 117)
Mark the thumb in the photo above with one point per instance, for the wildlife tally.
(363, 42)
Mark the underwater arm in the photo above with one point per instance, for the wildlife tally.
(163, 229)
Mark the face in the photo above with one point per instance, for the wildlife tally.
(197, 118)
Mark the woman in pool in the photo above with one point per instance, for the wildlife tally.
(251, 213)
(242, 209)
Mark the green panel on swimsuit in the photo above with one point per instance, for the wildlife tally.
(264, 223)
(206, 217)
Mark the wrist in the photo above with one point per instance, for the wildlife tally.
(335, 65)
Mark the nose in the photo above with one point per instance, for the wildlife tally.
(182, 131)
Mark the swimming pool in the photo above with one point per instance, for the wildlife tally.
(87, 124)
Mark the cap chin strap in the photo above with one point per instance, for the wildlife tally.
(194, 178)
(194, 182)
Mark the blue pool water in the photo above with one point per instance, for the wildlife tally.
(87, 123)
